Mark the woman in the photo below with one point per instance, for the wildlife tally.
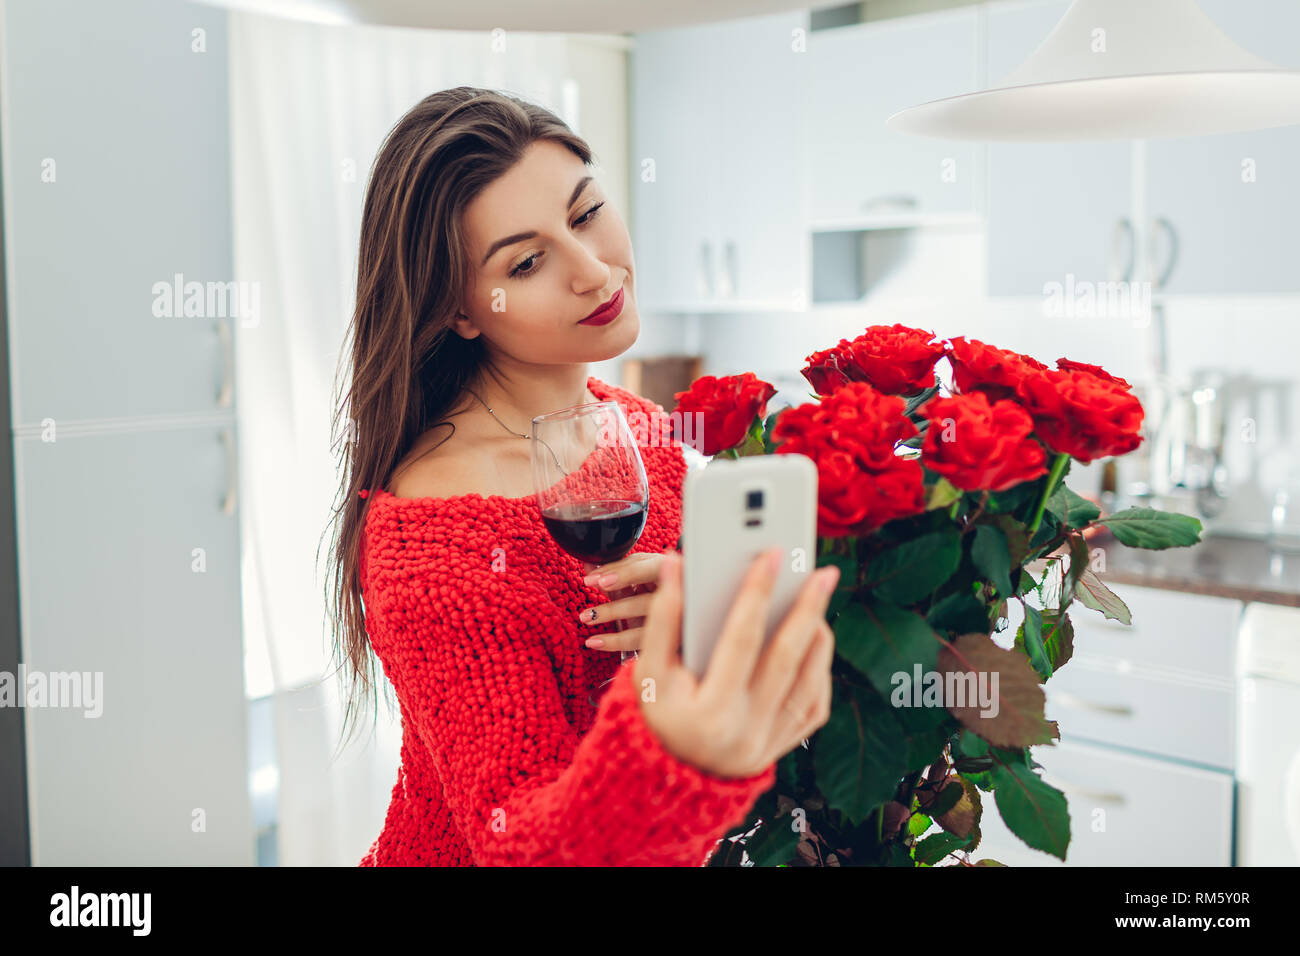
(484, 244)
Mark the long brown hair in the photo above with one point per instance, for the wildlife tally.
(408, 368)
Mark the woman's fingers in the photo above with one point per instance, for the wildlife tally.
(807, 706)
(640, 568)
(628, 640)
(662, 635)
(776, 671)
(737, 648)
(628, 608)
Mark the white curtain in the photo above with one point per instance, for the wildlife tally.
(309, 106)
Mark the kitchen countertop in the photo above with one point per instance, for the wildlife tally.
(1240, 568)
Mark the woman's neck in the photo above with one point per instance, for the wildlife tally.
(517, 396)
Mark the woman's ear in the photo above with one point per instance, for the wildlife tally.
(464, 327)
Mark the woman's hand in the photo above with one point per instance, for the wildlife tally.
(755, 704)
(629, 582)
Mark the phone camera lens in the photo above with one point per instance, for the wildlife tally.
(755, 500)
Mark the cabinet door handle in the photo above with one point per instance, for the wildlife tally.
(1123, 227)
(1078, 703)
(705, 284)
(890, 203)
(227, 393)
(1291, 801)
(1101, 796)
(729, 273)
(1164, 225)
(227, 438)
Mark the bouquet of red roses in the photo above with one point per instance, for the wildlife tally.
(935, 500)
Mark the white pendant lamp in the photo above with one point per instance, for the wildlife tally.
(1121, 69)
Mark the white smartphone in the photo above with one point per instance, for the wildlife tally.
(732, 511)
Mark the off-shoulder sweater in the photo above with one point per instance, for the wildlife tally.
(511, 753)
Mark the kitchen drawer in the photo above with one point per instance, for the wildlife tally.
(1125, 810)
(1171, 629)
(1190, 718)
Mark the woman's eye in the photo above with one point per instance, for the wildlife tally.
(590, 214)
(524, 270)
(519, 271)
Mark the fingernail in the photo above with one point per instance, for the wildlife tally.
(774, 561)
(586, 615)
(830, 578)
(607, 580)
(595, 642)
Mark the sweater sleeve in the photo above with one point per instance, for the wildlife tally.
(475, 676)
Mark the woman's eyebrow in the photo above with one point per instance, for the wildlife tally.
(521, 236)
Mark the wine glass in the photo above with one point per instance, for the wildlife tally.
(591, 484)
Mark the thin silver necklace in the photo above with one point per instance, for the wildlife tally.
(515, 433)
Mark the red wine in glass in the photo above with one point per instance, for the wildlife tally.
(590, 482)
(596, 531)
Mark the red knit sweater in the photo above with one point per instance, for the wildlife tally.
(472, 610)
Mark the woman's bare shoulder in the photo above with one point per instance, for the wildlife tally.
(435, 467)
(447, 464)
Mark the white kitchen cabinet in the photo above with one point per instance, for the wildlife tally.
(1054, 209)
(1144, 710)
(1232, 201)
(673, 158)
(761, 191)
(858, 77)
(84, 163)
(1125, 810)
(718, 112)
(130, 569)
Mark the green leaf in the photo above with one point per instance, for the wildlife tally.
(1078, 564)
(1033, 810)
(918, 824)
(1058, 638)
(952, 793)
(1048, 530)
(1092, 593)
(919, 399)
(1013, 499)
(971, 744)
(914, 569)
(934, 848)
(926, 730)
(898, 856)
(774, 843)
(1029, 638)
(941, 495)
(859, 754)
(1153, 530)
(768, 445)
(958, 613)
(1072, 509)
(992, 557)
(847, 583)
(881, 639)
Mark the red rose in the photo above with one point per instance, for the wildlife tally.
(996, 372)
(851, 436)
(896, 360)
(1083, 415)
(1065, 365)
(978, 446)
(728, 405)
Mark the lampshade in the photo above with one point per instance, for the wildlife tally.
(1121, 69)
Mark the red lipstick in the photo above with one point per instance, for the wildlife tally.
(606, 313)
